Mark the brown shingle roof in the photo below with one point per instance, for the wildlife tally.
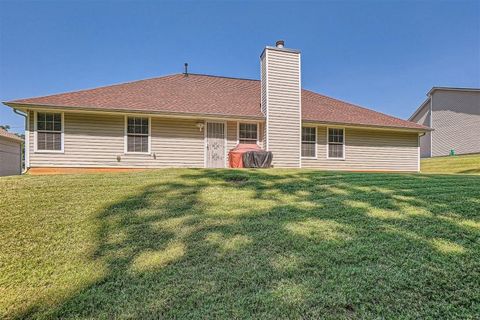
(9, 135)
(210, 95)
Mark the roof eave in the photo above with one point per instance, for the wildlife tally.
(419, 109)
(452, 89)
(16, 105)
(367, 126)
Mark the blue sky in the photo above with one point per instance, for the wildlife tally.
(384, 55)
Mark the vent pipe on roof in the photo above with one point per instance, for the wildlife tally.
(186, 69)
(280, 44)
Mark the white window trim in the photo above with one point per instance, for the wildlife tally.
(205, 142)
(316, 139)
(248, 122)
(125, 135)
(344, 142)
(62, 134)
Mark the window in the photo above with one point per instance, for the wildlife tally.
(309, 142)
(247, 133)
(336, 143)
(138, 134)
(49, 131)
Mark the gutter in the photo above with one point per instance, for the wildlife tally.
(212, 116)
(366, 126)
(136, 111)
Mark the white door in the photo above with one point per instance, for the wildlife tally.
(215, 145)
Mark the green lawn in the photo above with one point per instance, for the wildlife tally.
(240, 244)
(452, 164)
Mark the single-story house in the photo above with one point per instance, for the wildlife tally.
(10, 153)
(454, 114)
(193, 120)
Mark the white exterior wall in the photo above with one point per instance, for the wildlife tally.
(423, 117)
(456, 120)
(368, 150)
(281, 99)
(10, 157)
(96, 140)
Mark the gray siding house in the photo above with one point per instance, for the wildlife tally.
(10, 153)
(193, 120)
(454, 114)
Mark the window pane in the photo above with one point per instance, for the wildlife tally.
(137, 143)
(335, 150)
(144, 147)
(137, 130)
(308, 134)
(57, 141)
(130, 144)
(57, 126)
(308, 149)
(41, 125)
(340, 133)
(41, 140)
(49, 141)
(335, 135)
(49, 127)
(137, 125)
(247, 133)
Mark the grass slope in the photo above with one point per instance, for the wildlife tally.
(456, 164)
(240, 244)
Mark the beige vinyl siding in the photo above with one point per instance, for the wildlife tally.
(10, 157)
(423, 117)
(261, 135)
(231, 135)
(456, 120)
(368, 150)
(96, 140)
(283, 106)
(263, 96)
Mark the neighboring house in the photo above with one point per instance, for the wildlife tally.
(10, 153)
(192, 120)
(454, 115)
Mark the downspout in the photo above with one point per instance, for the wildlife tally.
(26, 144)
(431, 124)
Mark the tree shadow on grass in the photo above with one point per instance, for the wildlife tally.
(268, 244)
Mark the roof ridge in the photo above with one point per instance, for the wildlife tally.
(226, 77)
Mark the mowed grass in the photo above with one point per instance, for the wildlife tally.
(264, 244)
(452, 164)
